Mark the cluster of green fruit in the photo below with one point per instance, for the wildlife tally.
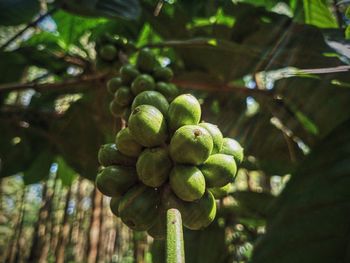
(108, 47)
(140, 84)
(165, 158)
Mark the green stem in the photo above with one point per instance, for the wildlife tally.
(174, 241)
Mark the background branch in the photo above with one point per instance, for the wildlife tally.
(30, 25)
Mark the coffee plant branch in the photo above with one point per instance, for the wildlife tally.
(90, 81)
(30, 25)
(86, 81)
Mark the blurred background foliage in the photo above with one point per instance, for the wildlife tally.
(272, 74)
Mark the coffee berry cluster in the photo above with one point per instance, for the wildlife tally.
(165, 157)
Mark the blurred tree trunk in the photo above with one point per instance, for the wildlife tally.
(12, 248)
(2, 219)
(102, 235)
(54, 217)
(265, 183)
(117, 241)
(46, 238)
(64, 236)
(40, 242)
(95, 226)
(78, 225)
(20, 243)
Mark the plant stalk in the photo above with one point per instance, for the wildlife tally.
(174, 237)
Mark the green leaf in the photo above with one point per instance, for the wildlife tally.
(71, 27)
(80, 137)
(126, 9)
(266, 3)
(11, 67)
(347, 32)
(306, 96)
(39, 169)
(65, 172)
(45, 40)
(15, 12)
(44, 58)
(318, 13)
(305, 121)
(254, 203)
(18, 147)
(309, 221)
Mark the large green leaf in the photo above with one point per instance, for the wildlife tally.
(65, 172)
(254, 203)
(39, 169)
(304, 95)
(47, 40)
(251, 45)
(80, 137)
(12, 66)
(71, 27)
(19, 147)
(316, 13)
(126, 9)
(310, 220)
(15, 12)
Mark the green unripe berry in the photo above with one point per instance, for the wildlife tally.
(200, 213)
(123, 96)
(215, 134)
(148, 126)
(108, 52)
(232, 147)
(169, 90)
(139, 207)
(127, 144)
(187, 182)
(146, 61)
(152, 98)
(115, 180)
(219, 169)
(110, 155)
(114, 205)
(184, 110)
(142, 83)
(116, 109)
(191, 144)
(128, 73)
(153, 166)
(221, 192)
(113, 84)
(163, 74)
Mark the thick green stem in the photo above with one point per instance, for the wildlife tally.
(174, 241)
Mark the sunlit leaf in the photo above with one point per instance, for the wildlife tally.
(65, 172)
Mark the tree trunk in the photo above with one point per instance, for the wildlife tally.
(20, 243)
(40, 241)
(48, 223)
(54, 218)
(95, 227)
(78, 231)
(17, 226)
(63, 238)
(2, 220)
(102, 236)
